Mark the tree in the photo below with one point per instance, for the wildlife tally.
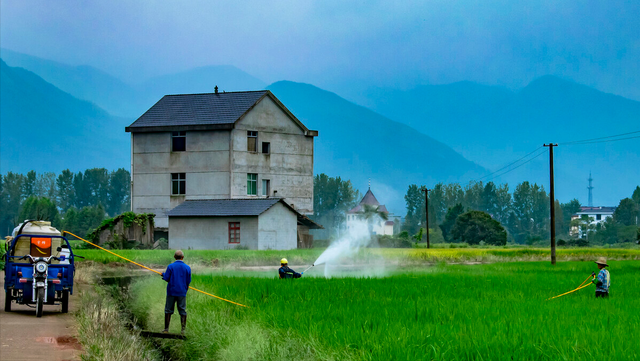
(450, 221)
(45, 185)
(96, 183)
(332, 198)
(473, 195)
(119, 192)
(40, 209)
(568, 209)
(29, 185)
(370, 214)
(415, 208)
(65, 190)
(12, 191)
(626, 212)
(474, 227)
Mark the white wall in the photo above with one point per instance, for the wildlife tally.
(278, 228)
(211, 232)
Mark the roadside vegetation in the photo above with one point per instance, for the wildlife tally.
(446, 312)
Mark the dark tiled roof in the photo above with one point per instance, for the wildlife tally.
(199, 109)
(223, 207)
(369, 199)
(235, 208)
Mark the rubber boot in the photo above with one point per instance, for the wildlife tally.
(183, 322)
(167, 321)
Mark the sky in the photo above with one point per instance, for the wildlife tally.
(342, 46)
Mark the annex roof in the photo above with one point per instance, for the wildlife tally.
(205, 111)
(593, 210)
(234, 208)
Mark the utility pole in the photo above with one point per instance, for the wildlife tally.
(552, 210)
(426, 212)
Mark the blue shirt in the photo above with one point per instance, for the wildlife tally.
(178, 275)
(603, 281)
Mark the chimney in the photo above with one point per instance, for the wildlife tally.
(216, 89)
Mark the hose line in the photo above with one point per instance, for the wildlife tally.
(147, 268)
(582, 285)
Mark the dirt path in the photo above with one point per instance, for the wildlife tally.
(23, 336)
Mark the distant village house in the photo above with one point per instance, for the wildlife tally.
(380, 226)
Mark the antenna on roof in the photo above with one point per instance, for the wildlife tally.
(369, 183)
(216, 89)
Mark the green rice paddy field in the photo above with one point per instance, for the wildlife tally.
(443, 311)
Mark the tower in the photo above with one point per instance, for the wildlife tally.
(590, 188)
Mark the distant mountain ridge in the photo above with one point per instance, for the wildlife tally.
(46, 129)
(131, 100)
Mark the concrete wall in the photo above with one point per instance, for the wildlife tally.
(277, 228)
(205, 162)
(289, 166)
(211, 232)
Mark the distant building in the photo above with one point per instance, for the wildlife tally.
(223, 147)
(596, 215)
(380, 226)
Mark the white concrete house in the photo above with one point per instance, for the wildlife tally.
(379, 226)
(221, 146)
(596, 215)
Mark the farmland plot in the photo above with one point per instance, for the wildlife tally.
(446, 312)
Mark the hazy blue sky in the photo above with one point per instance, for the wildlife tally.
(341, 44)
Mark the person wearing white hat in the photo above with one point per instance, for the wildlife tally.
(603, 281)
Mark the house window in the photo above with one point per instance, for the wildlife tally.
(178, 141)
(252, 184)
(234, 232)
(266, 187)
(178, 184)
(598, 217)
(252, 141)
(266, 147)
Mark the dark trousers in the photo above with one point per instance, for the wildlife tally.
(602, 294)
(169, 306)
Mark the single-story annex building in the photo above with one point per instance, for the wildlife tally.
(258, 224)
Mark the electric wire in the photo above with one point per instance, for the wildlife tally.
(602, 141)
(149, 269)
(599, 138)
(510, 164)
(516, 167)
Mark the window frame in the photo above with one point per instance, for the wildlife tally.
(252, 135)
(255, 184)
(268, 145)
(266, 192)
(234, 229)
(178, 135)
(179, 179)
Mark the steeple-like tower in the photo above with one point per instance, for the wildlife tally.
(590, 188)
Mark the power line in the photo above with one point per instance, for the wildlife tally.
(602, 141)
(611, 136)
(519, 165)
(510, 164)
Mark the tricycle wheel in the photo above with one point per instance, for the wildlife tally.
(7, 301)
(65, 301)
(39, 302)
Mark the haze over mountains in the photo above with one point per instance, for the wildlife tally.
(417, 136)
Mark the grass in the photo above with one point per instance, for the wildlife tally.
(235, 258)
(445, 312)
(103, 333)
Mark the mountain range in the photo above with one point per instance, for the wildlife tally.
(424, 135)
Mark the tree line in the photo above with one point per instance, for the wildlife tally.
(77, 202)
(524, 212)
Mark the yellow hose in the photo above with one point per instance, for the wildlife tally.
(147, 268)
(579, 288)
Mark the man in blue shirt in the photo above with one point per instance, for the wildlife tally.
(603, 281)
(178, 277)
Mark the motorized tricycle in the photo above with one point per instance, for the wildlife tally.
(33, 276)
